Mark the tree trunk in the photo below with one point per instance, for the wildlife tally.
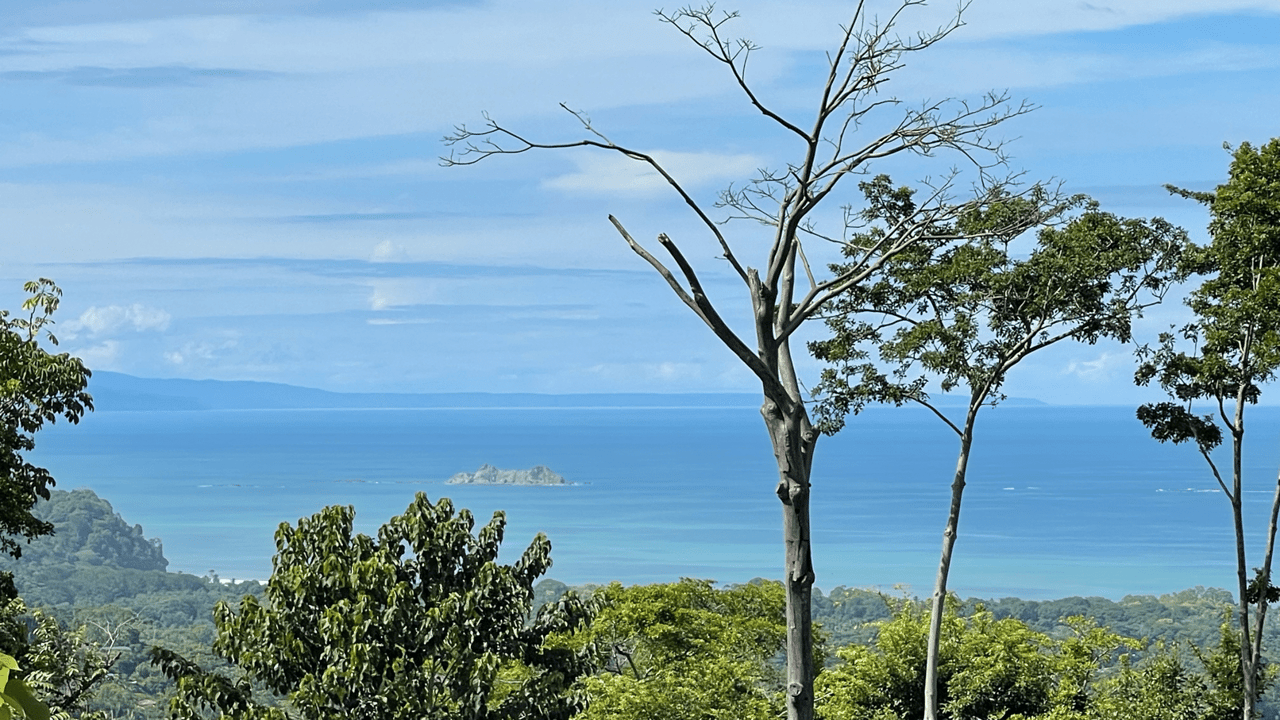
(1260, 620)
(1248, 669)
(793, 441)
(944, 567)
(1248, 674)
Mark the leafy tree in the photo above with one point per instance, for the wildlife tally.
(1165, 686)
(685, 650)
(966, 315)
(851, 128)
(1001, 668)
(988, 668)
(1235, 339)
(50, 671)
(420, 622)
(63, 669)
(36, 387)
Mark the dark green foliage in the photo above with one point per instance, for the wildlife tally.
(1236, 335)
(36, 387)
(421, 622)
(1169, 685)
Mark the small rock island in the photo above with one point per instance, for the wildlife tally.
(490, 475)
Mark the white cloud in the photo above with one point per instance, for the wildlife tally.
(114, 318)
(409, 321)
(103, 356)
(387, 251)
(1038, 17)
(614, 174)
(1101, 369)
(198, 352)
(293, 80)
(399, 292)
(663, 371)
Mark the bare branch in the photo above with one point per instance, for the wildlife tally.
(476, 150)
(696, 300)
(725, 52)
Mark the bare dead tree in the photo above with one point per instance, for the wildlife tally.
(836, 148)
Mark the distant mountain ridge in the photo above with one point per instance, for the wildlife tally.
(116, 391)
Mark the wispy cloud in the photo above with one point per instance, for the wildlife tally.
(668, 371)
(135, 77)
(103, 356)
(394, 321)
(614, 174)
(199, 352)
(113, 318)
(1101, 369)
(387, 251)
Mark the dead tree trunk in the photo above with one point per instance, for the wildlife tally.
(793, 440)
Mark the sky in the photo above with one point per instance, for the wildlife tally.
(252, 190)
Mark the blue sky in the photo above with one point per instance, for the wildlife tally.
(251, 190)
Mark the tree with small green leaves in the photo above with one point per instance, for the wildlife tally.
(61, 668)
(36, 387)
(1168, 685)
(1220, 360)
(686, 651)
(419, 622)
(988, 668)
(964, 316)
(51, 672)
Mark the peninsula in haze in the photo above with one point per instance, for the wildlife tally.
(116, 391)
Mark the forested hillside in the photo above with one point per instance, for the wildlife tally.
(99, 572)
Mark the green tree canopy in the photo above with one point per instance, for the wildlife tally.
(686, 651)
(1234, 342)
(36, 387)
(964, 316)
(1001, 668)
(418, 623)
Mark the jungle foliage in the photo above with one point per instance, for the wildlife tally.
(420, 622)
(36, 387)
(685, 649)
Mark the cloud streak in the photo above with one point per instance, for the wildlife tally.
(612, 174)
(135, 77)
(112, 319)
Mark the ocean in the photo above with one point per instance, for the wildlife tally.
(1061, 501)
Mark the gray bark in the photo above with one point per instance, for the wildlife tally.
(944, 567)
(1248, 665)
(1248, 670)
(793, 440)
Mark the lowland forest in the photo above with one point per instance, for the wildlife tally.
(102, 576)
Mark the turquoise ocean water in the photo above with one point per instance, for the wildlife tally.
(1061, 500)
